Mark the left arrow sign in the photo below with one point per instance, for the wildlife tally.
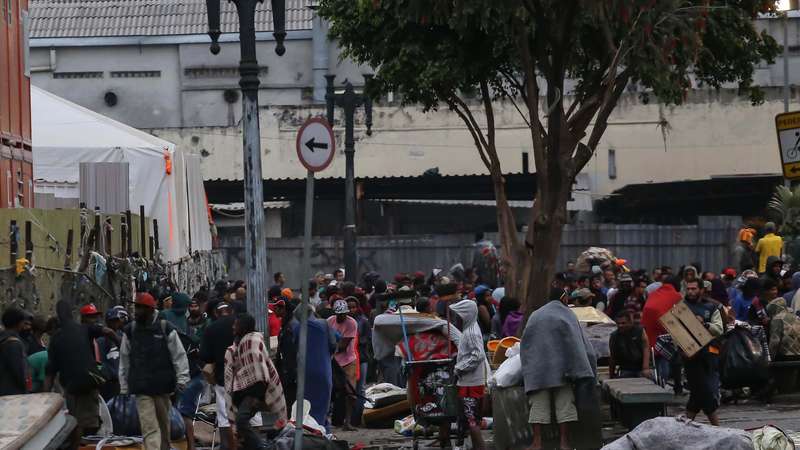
(311, 145)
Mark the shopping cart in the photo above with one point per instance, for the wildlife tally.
(432, 392)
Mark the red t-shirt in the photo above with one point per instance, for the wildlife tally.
(657, 304)
(275, 324)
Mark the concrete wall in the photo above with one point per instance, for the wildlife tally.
(712, 134)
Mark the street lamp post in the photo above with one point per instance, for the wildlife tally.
(349, 101)
(255, 248)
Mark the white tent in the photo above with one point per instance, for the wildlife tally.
(66, 134)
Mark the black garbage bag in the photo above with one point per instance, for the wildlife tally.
(125, 418)
(743, 363)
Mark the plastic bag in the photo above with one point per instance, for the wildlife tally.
(771, 438)
(742, 361)
(125, 418)
(512, 351)
(405, 426)
(509, 373)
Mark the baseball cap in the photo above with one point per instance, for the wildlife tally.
(89, 310)
(145, 299)
(223, 305)
(730, 272)
(117, 312)
(287, 292)
(625, 278)
(340, 307)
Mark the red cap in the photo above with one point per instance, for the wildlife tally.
(89, 310)
(145, 299)
(730, 272)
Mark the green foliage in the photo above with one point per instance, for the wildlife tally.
(785, 207)
(431, 50)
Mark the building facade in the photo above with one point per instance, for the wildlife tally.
(148, 65)
(16, 173)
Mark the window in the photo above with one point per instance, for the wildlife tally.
(26, 41)
(136, 74)
(612, 164)
(77, 74)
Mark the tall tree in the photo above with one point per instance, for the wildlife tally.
(432, 52)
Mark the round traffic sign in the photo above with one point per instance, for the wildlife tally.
(315, 144)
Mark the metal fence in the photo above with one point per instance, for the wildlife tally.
(644, 246)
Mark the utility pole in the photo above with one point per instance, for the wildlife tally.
(349, 100)
(255, 246)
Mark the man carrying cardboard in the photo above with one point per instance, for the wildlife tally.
(702, 371)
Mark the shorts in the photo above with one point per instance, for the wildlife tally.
(190, 398)
(85, 409)
(223, 421)
(471, 397)
(564, 402)
(350, 374)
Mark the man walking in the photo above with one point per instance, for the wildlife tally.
(251, 382)
(152, 366)
(345, 355)
(116, 319)
(702, 372)
(218, 336)
(13, 368)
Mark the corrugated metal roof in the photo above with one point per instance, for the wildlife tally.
(99, 18)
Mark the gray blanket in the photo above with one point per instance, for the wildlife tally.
(387, 331)
(668, 433)
(554, 350)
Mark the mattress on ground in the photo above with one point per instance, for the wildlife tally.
(23, 416)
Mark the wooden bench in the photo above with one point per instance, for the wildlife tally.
(634, 400)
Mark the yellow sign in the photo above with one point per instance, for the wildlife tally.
(787, 126)
(791, 170)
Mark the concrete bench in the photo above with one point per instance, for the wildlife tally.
(634, 400)
(786, 376)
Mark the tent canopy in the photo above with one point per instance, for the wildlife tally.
(66, 134)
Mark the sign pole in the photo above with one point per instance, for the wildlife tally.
(304, 305)
(315, 149)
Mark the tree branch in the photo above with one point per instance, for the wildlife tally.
(466, 116)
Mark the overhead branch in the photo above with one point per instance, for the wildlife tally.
(466, 116)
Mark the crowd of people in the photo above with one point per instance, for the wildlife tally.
(177, 348)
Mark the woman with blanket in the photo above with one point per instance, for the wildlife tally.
(252, 382)
(555, 354)
(472, 368)
(321, 343)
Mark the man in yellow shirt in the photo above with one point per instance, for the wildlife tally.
(769, 245)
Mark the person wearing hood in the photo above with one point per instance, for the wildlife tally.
(769, 245)
(152, 366)
(774, 269)
(744, 297)
(483, 296)
(784, 331)
(555, 355)
(792, 298)
(689, 274)
(13, 369)
(176, 314)
(70, 357)
(472, 368)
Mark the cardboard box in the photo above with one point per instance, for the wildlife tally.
(686, 330)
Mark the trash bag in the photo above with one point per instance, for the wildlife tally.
(124, 415)
(771, 438)
(125, 418)
(742, 361)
